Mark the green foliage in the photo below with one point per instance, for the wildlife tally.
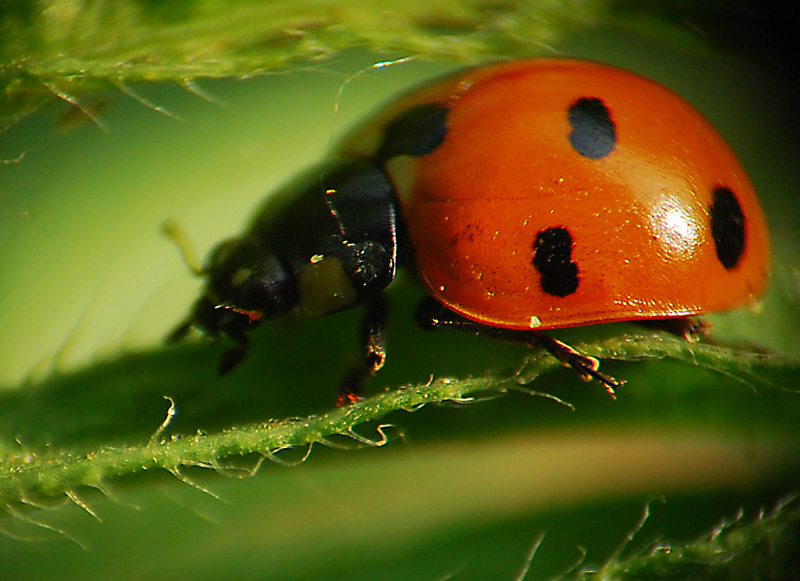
(764, 547)
(65, 49)
(29, 473)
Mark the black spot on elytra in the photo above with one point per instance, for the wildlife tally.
(552, 257)
(727, 227)
(593, 134)
(417, 131)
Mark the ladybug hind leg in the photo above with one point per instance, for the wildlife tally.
(433, 315)
(690, 328)
(586, 366)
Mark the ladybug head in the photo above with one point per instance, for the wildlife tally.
(245, 284)
(248, 279)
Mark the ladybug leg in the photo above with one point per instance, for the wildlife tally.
(433, 315)
(235, 355)
(231, 357)
(373, 352)
(586, 366)
(179, 333)
(215, 321)
(690, 328)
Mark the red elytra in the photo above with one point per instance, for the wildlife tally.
(634, 219)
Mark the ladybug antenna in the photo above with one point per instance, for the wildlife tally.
(175, 232)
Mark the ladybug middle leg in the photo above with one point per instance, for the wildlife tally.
(433, 315)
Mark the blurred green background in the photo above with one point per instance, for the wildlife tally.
(90, 287)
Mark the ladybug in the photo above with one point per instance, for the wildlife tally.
(527, 196)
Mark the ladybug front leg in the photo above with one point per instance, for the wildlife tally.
(233, 356)
(373, 352)
(218, 320)
(433, 315)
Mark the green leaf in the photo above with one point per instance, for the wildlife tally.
(65, 49)
(30, 473)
